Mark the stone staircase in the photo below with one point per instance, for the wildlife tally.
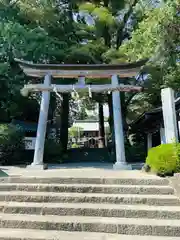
(88, 208)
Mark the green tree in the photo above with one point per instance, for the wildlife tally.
(89, 32)
(40, 31)
(75, 132)
(22, 35)
(157, 38)
(109, 23)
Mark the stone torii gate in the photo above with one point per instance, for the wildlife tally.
(80, 71)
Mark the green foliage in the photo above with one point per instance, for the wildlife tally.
(149, 38)
(156, 37)
(87, 6)
(100, 14)
(52, 151)
(108, 18)
(117, 31)
(45, 31)
(86, 53)
(74, 145)
(164, 159)
(74, 132)
(11, 144)
(38, 32)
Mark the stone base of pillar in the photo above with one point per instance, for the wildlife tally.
(122, 166)
(37, 167)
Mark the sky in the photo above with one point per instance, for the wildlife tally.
(106, 110)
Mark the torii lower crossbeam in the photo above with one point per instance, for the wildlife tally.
(80, 88)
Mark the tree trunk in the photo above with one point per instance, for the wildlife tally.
(120, 36)
(101, 127)
(64, 122)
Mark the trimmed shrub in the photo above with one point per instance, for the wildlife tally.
(11, 144)
(164, 159)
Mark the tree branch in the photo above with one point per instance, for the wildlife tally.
(130, 98)
(120, 37)
(133, 94)
(106, 3)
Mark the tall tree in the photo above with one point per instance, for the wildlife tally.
(110, 23)
(35, 31)
(156, 37)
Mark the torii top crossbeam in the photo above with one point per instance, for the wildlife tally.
(77, 70)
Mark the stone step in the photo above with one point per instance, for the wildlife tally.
(88, 188)
(28, 234)
(90, 180)
(89, 209)
(128, 226)
(23, 196)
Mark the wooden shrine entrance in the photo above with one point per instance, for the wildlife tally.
(81, 72)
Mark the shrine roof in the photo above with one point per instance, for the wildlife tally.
(151, 120)
(77, 70)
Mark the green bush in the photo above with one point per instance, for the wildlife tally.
(11, 144)
(164, 159)
(52, 151)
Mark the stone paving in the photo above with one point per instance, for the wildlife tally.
(75, 170)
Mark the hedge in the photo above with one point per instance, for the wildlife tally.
(11, 144)
(164, 159)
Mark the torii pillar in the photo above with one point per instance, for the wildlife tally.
(41, 131)
(169, 115)
(118, 128)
